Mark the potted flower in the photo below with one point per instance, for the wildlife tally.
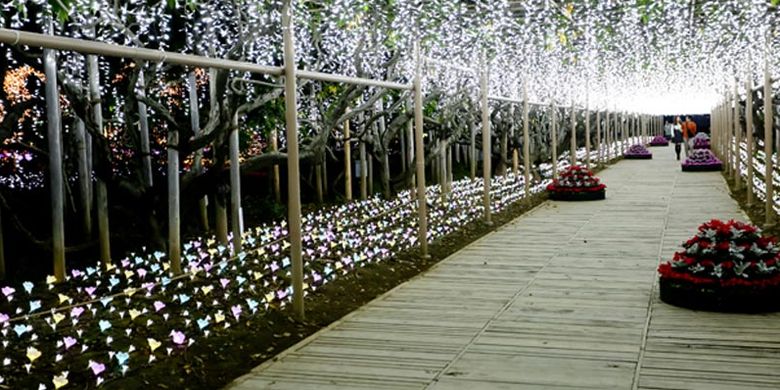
(726, 266)
(576, 183)
(701, 160)
(637, 152)
(659, 140)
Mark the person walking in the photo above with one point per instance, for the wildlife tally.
(677, 137)
(689, 131)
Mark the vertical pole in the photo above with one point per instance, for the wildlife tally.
(54, 135)
(473, 150)
(737, 140)
(573, 144)
(587, 128)
(526, 143)
(102, 192)
(486, 154)
(220, 212)
(768, 134)
(608, 137)
(198, 160)
(347, 162)
(749, 131)
(85, 178)
(554, 138)
(402, 137)
(174, 218)
(143, 128)
(235, 189)
(410, 146)
(363, 167)
(419, 149)
(293, 168)
(515, 152)
(600, 153)
(277, 176)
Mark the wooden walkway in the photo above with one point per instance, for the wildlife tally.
(562, 298)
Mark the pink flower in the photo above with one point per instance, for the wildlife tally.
(178, 337)
(236, 311)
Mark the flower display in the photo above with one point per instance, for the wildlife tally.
(659, 140)
(637, 152)
(104, 322)
(701, 135)
(721, 267)
(576, 183)
(702, 160)
(701, 142)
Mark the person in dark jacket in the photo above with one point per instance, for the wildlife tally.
(677, 136)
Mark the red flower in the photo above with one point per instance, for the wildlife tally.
(727, 264)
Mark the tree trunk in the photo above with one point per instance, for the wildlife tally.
(197, 163)
(143, 128)
(102, 193)
(318, 181)
(85, 178)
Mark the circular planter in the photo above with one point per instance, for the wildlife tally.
(737, 299)
(655, 145)
(700, 147)
(572, 196)
(638, 156)
(702, 168)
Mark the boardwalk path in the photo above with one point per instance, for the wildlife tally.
(564, 297)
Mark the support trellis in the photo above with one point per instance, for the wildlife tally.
(291, 74)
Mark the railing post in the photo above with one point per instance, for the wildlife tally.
(54, 136)
(293, 164)
(419, 151)
(587, 127)
(554, 138)
(768, 143)
(486, 154)
(573, 139)
(749, 135)
(607, 137)
(348, 162)
(600, 153)
(737, 140)
(526, 142)
(174, 218)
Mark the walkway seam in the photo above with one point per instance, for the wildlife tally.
(646, 330)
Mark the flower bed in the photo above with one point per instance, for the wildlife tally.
(659, 140)
(726, 266)
(701, 143)
(576, 183)
(637, 152)
(701, 160)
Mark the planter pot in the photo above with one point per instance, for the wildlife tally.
(737, 299)
(702, 168)
(664, 144)
(577, 196)
(638, 156)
